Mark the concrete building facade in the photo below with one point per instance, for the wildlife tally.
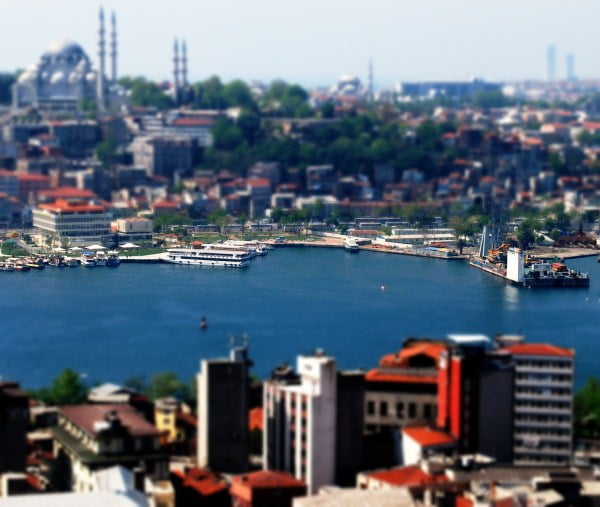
(223, 391)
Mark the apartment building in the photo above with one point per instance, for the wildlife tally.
(543, 404)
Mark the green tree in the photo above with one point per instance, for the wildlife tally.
(144, 93)
(587, 410)
(166, 384)
(237, 93)
(526, 233)
(227, 136)
(66, 389)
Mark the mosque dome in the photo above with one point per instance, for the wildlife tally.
(57, 77)
(62, 47)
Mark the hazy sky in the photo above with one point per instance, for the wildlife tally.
(314, 41)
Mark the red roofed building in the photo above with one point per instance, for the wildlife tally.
(543, 403)
(89, 438)
(164, 207)
(65, 193)
(265, 488)
(418, 441)
(196, 486)
(403, 388)
(72, 221)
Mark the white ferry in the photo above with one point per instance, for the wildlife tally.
(213, 256)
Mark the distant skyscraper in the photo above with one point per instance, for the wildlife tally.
(570, 67)
(551, 63)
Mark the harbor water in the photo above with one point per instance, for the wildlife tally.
(140, 319)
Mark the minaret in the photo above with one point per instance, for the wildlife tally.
(101, 53)
(184, 81)
(176, 72)
(113, 47)
(371, 93)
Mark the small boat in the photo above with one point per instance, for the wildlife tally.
(112, 261)
(101, 258)
(203, 323)
(351, 245)
(71, 262)
(88, 259)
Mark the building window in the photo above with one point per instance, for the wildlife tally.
(412, 410)
(383, 408)
(400, 410)
(427, 412)
(370, 407)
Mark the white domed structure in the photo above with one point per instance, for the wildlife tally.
(60, 79)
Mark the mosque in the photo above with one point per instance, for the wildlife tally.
(64, 76)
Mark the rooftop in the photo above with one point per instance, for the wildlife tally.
(539, 349)
(85, 416)
(426, 436)
(406, 476)
(267, 479)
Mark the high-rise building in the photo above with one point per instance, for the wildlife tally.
(14, 421)
(551, 63)
(543, 404)
(313, 422)
(223, 392)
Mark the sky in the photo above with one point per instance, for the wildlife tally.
(313, 42)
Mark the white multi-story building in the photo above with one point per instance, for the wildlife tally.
(72, 221)
(543, 404)
(300, 422)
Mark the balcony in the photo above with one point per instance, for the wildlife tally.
(524, 408)
(542, 396)
(543, 368)
(543, 438)
(541, 451)
(531, 423)
(565, 384)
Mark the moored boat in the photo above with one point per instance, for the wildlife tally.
(209, 256)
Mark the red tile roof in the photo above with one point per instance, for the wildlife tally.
(427, 437)
(85, 416)
(67, 193)
(193, 122)
(267, 479)
(32, 177)
(258, 182)
(539, 349)
(402, 358)
(255, 419)
(382, 376)
(406, 476)
(62, 206)
(204, 482)
(166, 204)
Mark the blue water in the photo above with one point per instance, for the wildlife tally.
(139, 319)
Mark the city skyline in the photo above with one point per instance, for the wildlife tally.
(414, 41)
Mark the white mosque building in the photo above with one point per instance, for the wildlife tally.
(64, 76)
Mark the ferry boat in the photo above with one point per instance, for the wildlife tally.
(209, 256)
(351, 245)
